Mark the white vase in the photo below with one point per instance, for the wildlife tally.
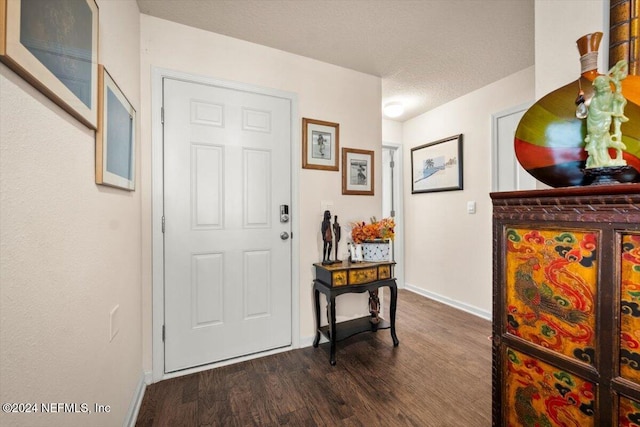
(376, 251)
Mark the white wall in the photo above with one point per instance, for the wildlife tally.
(70, 250)
(325, 92)
(558, 24)
(391, 131)
(447, 251)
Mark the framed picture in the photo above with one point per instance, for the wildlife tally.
(54, 46)
(320, 143)
(437, 166)
(357, 172)
(115, 136)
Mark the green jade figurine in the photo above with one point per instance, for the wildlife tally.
(606, 109)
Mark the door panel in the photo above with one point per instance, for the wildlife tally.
(227, 271)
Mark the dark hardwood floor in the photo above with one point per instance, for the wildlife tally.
(439, 375)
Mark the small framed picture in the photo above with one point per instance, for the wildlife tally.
(53, 45)
(320, 143)
(357, 172)
(115, 136)
(437, 166)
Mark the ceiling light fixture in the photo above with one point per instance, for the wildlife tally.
(393, 109)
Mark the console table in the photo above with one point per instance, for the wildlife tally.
(337, 279)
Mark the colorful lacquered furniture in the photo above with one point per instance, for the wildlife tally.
(338, 279)
(566, 307)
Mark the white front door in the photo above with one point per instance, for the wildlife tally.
(227, 268)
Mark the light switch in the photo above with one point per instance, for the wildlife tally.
(114, 322)
(471, 207)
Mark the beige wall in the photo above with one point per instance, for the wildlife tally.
(392, 131)
(325, 92)
(447, 251)
(70, 250)
(558, 24)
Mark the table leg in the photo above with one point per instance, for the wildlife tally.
(316, 296)
(332, 328)
(392, 313)
(374, 306)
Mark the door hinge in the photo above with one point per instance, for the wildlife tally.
(162, 115)
(163, 223)
(162, 333)
(393, 214)
(392, 164)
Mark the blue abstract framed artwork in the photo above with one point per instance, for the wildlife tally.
(115, 136)
(53, 44)
(437, 166)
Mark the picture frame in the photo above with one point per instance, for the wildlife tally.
(58, 57)
(437, 166)
(320, 145)
(115, 136)
(358, 172)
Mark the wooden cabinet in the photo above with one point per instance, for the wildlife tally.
(349, 274)
(566, 307)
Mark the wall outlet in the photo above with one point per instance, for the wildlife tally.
(471, 207)
(114, 322)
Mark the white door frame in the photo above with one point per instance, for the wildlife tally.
(494, 139)
(157, 195)
(399, 219)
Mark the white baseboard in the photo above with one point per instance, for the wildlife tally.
(134, 407)
(308, 341)
(148, 377)
(450, 302)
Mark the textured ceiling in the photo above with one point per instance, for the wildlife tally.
(427, 52)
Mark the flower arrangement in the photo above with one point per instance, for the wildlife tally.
(383, 229)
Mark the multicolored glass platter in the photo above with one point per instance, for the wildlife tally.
(551, 278)
(549, 141)
(630, 308)
(539, 394)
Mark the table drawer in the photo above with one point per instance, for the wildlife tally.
(363, 275)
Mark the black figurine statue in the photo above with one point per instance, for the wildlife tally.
(327, 237)
(336, 233)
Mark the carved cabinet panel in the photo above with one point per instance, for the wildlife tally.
(566, 307)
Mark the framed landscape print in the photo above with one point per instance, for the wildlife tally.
(54, 46)
(115, 136)
(357, 172)
(320, 143)
(437, 166)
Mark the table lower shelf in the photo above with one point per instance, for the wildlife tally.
(353, 327)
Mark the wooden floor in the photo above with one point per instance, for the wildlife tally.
(439, 375)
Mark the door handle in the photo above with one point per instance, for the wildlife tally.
(284, 235)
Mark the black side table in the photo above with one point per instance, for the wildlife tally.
(347, 278)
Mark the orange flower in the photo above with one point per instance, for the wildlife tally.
(383, 229)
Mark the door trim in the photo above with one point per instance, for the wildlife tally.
(157, 209)
(398, 249)
(494, 138)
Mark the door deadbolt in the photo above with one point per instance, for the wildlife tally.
(284, 213)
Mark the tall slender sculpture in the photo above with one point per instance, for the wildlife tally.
(327, 238)
(336, 233)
